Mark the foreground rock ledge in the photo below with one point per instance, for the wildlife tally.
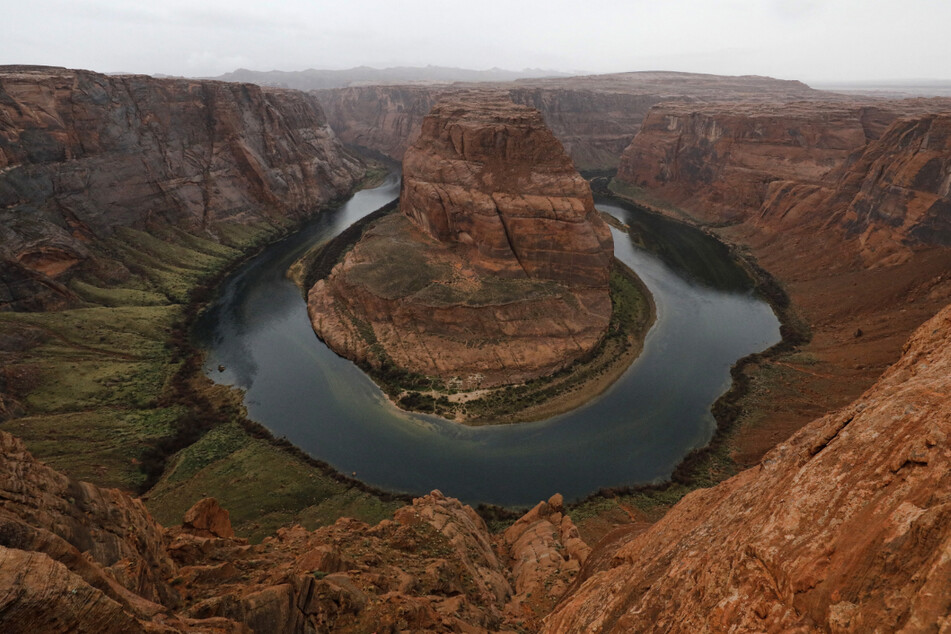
(496, 272)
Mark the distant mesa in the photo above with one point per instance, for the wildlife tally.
(495, 271)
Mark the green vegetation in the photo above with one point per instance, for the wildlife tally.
(262, 486)
(112, 392)
(631, 317)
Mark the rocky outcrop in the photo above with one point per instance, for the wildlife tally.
(84, 154)
(433, 567)
(845, 527)
(87, 528)
(496, 271)
(594, 117)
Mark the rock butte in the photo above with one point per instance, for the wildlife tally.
(496, 270)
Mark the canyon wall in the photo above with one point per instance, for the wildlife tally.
(594, 117)
(866, 169)
(845, 527)
(83, 154)
(846, 204)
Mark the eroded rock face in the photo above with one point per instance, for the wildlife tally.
(433, 567)
(490, 175)
(878, 170)
(594, 117)
(497, 269)
(846, 527)
(84, 154)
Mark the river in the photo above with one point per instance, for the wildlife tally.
(636, 432)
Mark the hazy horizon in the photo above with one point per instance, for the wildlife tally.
(809, 40)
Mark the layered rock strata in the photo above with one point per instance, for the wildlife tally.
(864, 168)
(844, 203)
(84, 154)
(594, 117)
(74, 557)
(845, 527)
(496, 269)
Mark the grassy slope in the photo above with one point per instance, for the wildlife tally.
(96, 386)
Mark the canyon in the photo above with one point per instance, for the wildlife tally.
(842, 203)
(833, 531)
(86, 156)
(496, 269)
(122, 193)
(594, 117)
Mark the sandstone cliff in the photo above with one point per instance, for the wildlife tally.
(845, 527)
(842, 202)
(74, 557)
(497, 269)
(84, 154)
(594, 117)
(859, 166)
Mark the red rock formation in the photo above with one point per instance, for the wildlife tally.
(490, 175)
(208, 519)
(434, 567)
(856, 236)
(513, 287)
(846, 527)
(806, 163)
(82, 154)
(594, 117)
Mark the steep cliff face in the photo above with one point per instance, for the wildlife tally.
(723, 158)
(845, 527)
(899, 189)
(497, 269)
(491, 178)
(74, 557)
(843, 203)
(82, 154)
(594, 117)
(867, 169)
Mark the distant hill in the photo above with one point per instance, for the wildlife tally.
(897, 88)
(312, 79)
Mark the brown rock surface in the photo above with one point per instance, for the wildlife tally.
(77, 523)
(434, 567)
(208, 519)
(852, 228)
(594, 117)
(497, 270)
(82, 154)
(846, 527)
(489, 176)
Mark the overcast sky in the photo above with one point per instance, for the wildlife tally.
(791, 39)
